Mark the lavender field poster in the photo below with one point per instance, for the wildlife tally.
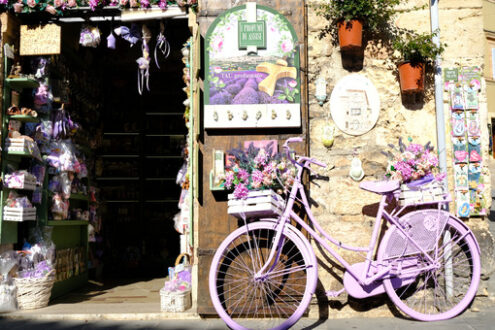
(253, 77)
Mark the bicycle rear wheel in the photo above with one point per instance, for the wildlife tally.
(281, 297)
(443, 291)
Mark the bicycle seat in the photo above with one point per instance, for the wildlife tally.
(380, 187)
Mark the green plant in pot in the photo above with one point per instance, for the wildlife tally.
(348, 18)
(417, 53)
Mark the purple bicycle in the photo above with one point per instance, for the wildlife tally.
(428, 261)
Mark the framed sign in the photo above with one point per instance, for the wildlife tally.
(40, 39)
(253, 74)
(355, 105)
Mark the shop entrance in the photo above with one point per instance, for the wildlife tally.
(140, 155)
(137, 140)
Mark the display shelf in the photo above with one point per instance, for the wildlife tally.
(21, 83)
(162, 201)
(67, 223)
(159, 179)
(79, 197)
(122, 201)
(21, 154)
(21, 189)
(24, 118)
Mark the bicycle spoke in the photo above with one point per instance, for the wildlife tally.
(288, 272)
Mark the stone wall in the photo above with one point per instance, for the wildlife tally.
(344, 210)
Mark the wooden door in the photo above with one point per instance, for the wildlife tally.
(213, 222)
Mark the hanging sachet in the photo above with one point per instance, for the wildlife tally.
(131, 35)
(89, 36)
(144, 62)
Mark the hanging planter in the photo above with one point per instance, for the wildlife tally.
(412, 77)
(347, 20)
(417, 52)
(350, 34)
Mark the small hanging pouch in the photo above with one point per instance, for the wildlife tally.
(89, 36)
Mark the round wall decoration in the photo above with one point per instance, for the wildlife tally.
(355, 104)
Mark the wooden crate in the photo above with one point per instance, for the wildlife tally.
(23, 146)
(20, 181)
(433, 191)
(19, 214)
(262, 203)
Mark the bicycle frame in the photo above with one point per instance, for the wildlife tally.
(363, 279)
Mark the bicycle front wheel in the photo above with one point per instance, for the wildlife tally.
(281, 297)
(448, 285)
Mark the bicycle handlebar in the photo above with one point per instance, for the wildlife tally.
(292, 140)
(310, 160)
(287, 148)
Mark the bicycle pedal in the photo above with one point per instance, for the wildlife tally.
(334, 294)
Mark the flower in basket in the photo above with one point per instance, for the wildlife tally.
(412, 162)
(257, 169)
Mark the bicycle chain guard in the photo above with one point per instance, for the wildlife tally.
(356, 290)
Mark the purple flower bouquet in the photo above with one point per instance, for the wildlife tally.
(258, 169)
(412, 162)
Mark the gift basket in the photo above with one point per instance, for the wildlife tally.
(175, 296)
(36, 272)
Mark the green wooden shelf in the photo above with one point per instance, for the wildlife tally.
(67, 223)
(25, 118)
(79, 197)
(21, 83)
(20, 154)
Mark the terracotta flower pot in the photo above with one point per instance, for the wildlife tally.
(412, 77)
(350, 34)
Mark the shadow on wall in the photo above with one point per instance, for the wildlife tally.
(379, 46)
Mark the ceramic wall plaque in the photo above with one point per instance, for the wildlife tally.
(355, 104)
(253, 76)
